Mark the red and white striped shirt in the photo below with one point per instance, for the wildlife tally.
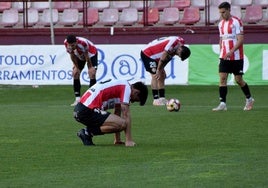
(157, 47)
(229, 29)
(83, 45)
(104, 95)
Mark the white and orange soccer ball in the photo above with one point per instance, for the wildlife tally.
(173, 105)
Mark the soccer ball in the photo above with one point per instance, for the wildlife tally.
(173, 105)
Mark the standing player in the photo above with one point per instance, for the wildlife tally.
(117, 95)
(155, 57)
(231, 56)
(81, 51)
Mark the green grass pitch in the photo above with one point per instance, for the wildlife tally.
(194, 147)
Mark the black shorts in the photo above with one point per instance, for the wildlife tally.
(92, 118)
(94, 61)
(231, 66)
(149, 63)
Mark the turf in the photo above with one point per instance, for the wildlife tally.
(194, 147)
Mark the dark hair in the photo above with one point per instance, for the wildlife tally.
(71, 39)
(185, 53)
(225, 5)
(143, 92)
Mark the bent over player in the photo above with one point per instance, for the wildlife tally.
(81, 51)
(155, 56)
(92, 110)
(231, 56)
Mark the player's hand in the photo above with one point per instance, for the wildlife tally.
(130, 143)
(158, 74)
(119, 142)
(228, 55)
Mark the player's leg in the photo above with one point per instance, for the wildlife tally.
(223, 90)
(224, 67)
(238, 66)
(76, 80)
(93, 70)
(150, 66)
(161, 88)
(92, 119)
(76, 84)
(245, 89)
(154, 87)
(113, 124)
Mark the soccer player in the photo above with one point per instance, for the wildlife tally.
(92, 110)
(155, 56)
(81, 51)
(231, 56)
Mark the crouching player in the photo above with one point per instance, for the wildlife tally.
(92, 110)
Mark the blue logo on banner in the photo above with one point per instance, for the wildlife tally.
(123, 64)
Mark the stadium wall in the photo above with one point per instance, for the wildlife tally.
(127, 35)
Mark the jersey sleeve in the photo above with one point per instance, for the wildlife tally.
(238, 27)
(125, 95)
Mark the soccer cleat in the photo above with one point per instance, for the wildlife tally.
(86, 139)
(249, 104)
(221, 107)
(160, 102)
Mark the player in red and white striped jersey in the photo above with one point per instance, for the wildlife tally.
(155, 57)
(92, 109)
(231, 55)
(81, 51)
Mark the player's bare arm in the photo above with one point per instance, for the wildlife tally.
(89, 63)
(240, 41)
(91, 69)
(117, 111)
(76, 71)
(126, 116)
(73, 58)
(166, 57)
(160, 72)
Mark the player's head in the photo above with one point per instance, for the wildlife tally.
(224, 10)
(143, 92)
(71, 40)
(184, 52)
(225, 5)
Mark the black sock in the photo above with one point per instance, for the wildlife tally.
(94, 132)
(76, 87)
(155, 93)
(92, 82)
(223, 93)
(161, 93)
(246, 91)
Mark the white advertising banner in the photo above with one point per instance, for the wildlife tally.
(51, 65)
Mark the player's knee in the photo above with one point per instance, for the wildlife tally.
(241, 83)
(76, 75)
(122, 126)
(223, 81)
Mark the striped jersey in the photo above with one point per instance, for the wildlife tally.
(105, 95)
(229, 29)
(157, 47)
(83, 45)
